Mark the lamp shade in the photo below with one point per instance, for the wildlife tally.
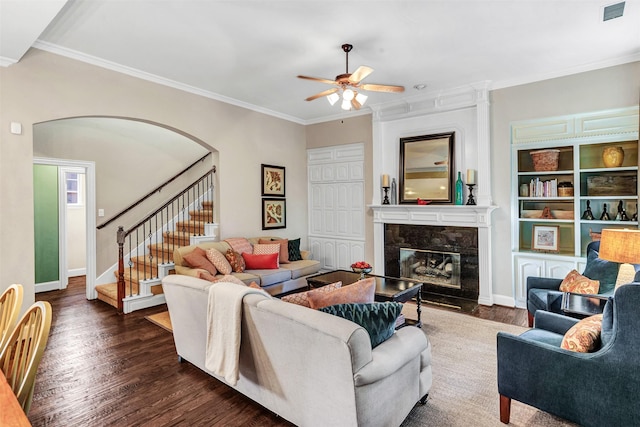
(620, 245)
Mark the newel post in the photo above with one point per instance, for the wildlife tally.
(120, 239)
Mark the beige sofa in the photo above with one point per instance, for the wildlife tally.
(307, 366)
(289, 277)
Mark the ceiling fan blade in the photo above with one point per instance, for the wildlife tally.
(321, 94)
(356, 104)
(381, 88)
(359, 74)
(318, 79)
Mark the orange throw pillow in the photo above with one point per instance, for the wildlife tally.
(584, 336)
(301, 298)
(198, 259)
(362, 291)
(578, 284)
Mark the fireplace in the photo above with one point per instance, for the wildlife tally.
(443, 258)
(442, 229)
(439, 268)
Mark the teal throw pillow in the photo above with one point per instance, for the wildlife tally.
(294, 250)
(378, 318)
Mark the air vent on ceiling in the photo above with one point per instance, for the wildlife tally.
(613, 11)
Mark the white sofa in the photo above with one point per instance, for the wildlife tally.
(307, 366)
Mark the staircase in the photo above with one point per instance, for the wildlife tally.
(143, 274)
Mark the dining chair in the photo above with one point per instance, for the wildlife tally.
(20, 358)
(10, 304)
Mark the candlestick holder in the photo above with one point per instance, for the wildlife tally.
(471, 200)
(386, 196)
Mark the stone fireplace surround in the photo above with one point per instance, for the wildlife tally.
(462, 241)
(477, 217)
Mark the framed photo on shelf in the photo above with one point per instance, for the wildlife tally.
(274, 213)
(546, 238)
(273, 180)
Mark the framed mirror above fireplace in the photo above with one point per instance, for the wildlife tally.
(426, 168)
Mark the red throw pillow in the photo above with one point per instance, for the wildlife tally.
(260, 262)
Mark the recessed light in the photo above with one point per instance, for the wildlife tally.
(419, 86)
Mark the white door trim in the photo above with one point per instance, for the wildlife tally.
(90, 177)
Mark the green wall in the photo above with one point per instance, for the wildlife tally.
(45, 204)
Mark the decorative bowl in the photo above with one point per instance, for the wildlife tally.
(362, 271)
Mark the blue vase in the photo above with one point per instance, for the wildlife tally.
(459, 189)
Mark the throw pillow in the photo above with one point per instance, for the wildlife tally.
(379, 319)
(198, 259)
(294, 250)
(240, 244)
(260, 262)
(578, 284)
(284, 248)
(584, 336)
(265, 249)
(361, 291)
(599, 269)
(235, 260)
(301, 298)
(219, 260)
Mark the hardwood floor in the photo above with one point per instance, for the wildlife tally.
(102, 369)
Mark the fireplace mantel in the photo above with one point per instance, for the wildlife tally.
(439, 215)
(458, 215)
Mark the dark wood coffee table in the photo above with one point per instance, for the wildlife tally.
(387, 288)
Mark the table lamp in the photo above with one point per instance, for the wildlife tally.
(622, 246)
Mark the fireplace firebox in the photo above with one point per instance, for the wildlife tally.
(444, 258)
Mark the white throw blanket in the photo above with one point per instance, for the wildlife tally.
(224, 316)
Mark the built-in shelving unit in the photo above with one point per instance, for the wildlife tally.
(551, 202)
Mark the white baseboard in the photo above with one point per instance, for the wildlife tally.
(47, 286)
(504, 300)
(75, 272)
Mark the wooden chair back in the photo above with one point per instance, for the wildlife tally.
(21, 356)
(10, 304)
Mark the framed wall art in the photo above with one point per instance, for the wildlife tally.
(545, 238)
(274, 213)
(273, 180)
(426, 168)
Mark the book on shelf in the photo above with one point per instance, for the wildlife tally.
(538, 188)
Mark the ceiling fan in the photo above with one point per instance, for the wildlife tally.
(349, 84)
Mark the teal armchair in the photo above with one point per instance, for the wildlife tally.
(591, 389)
(543, 293)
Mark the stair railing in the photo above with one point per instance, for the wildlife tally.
(151, 241)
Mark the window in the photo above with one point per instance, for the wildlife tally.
(73, 188)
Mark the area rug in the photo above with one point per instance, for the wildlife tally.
(161, 319)
(465, 389)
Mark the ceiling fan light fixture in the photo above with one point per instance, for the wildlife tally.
(348, 95)
(346, 104)
(333, 98)
(361, 98)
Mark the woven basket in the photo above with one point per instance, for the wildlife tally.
(545, 160)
